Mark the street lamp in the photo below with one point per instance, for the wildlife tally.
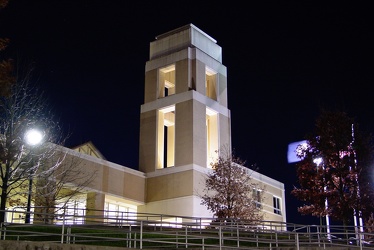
(318, 161)
(358, 224)
(33, 137)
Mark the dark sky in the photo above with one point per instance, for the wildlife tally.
(284, 59)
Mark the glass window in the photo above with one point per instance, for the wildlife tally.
(277, 206)
(256, 196)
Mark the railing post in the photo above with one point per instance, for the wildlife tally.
(276, 239)
(220, 236)
(297, 241)
(69, 236)
(161, 223)
(176, 237)
(237, 236)
(63, 227)
(1, 231)
(130, 236)
(141, 235)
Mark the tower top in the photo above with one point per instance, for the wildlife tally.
(185, 27)
(183, 37)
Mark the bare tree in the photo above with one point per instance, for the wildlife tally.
(22, 108)
(56, 187)
(46, 166)
(230, 192)
(60, 179)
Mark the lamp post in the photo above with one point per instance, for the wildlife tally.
(33, 137)
(318, 162)
(357, 215)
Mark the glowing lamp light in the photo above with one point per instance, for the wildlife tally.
(318, 161)
(33, 137)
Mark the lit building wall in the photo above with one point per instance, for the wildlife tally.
(184, 120)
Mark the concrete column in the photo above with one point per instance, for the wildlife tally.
(95, 207)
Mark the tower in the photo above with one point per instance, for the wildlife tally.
(184, 119)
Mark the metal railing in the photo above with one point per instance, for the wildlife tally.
(145, 230)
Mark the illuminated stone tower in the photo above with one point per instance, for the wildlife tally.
(184, 119)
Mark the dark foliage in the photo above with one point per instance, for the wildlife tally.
(334, 186)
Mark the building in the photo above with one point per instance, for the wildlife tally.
(184, 120)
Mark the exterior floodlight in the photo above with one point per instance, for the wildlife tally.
(33, 137)
(295, 150)
(318, 161)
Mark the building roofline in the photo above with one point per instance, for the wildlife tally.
(188, 26)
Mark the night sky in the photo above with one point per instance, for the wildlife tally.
(285, 60)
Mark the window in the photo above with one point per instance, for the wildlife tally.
(256, 196)
(277, 206)
(211, 135)
(74, 210)
(210, 84)
(166, 137)
(118, 213)
(166, 81)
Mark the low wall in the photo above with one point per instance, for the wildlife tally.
(39, 245)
